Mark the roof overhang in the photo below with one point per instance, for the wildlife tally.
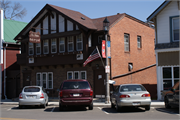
(158, 10)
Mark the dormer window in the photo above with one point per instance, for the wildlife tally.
(70, 44)
(79, 42)
(31, 48)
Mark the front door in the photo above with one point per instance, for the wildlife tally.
(99, 83)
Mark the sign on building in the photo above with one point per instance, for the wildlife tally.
(34, 37)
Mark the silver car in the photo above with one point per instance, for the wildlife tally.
(33, 95)
(130, 95)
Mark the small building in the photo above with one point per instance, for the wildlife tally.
(67, 38)
(10, 69)
(166, 22)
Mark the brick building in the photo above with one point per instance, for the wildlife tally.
(69, 37)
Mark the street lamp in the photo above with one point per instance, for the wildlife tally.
(106, 29)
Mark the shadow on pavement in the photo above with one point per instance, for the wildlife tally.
(170, 111)
(66, 109)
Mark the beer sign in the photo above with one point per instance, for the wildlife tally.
(34, 37)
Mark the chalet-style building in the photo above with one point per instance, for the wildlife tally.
(10, 69)
(166, 21)
(69, 37)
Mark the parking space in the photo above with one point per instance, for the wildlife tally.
(106, 113)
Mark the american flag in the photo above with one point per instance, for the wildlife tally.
(94, 55)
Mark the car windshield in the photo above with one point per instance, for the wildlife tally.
(32, 89)
(76, 85)
(128, 88)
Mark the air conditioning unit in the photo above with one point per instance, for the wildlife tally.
(31, 60)
(79, 56)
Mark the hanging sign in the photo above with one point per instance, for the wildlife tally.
(103, 48)
(109, 48)
(34, 37)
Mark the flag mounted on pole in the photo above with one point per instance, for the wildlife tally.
(94, 55)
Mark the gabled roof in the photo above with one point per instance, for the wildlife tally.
(11, 29)
(76, 17)
(158, 10)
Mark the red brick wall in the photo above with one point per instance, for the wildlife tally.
(140, 58)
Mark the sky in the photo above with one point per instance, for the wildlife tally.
(140, 9)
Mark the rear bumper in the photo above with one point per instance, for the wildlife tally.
(31, 101)
(76, 101)
(139, 103)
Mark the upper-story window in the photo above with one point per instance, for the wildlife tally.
(31, 48)
(38, 48)
(139, 42)
(100, 38)
(79, 42)
(46, 46)
(70, 43)
(61, 44)
(175, 29)
(53, 46)
(126, 42)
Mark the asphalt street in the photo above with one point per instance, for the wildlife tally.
(12, 112)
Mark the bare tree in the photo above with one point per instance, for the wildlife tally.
(12, 11)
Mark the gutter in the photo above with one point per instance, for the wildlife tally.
(122, 75)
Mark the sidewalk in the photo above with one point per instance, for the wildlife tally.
(97, 102)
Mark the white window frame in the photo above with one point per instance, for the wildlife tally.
(46, 46)
(38, 45)
(77, 73)
(41, 79)
(61, 44)
(31, 48)
(55, 45)
(174, 29)
(49, 80)
(44, 80)
(172, 75)
(38, 80)
(126, 44)
(70, 40)
(139, 42)
(79, 42)
(85, 75)
(71, 73)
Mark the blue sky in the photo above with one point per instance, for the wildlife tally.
(140, 9)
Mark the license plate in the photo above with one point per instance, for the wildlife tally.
(136, 103)
(31, 96)
(75, 95)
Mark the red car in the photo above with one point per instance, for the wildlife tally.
(75, 93)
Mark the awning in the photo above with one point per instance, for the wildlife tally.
(112, 82)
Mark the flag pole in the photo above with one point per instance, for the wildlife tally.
(100, 56)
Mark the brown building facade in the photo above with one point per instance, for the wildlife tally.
(69, 37)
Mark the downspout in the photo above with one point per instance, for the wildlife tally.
(5, 71)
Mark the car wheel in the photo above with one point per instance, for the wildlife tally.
(166, 103)
(20, 106)
(147, 107)
(117, 107)
(112, 105)
(43, 106)
(91, 106)
(60, 107)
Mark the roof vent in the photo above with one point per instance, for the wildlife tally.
(118, 13)
(82, 18)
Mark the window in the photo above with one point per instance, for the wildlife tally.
(100, 38)
(76, 75)
(89, 41)
(61, 44)
(38, 48)
(175, 28)
(69, 75)
(126, 42)
(46, 47)
(45, 79)
(53, 46)
(139, 45)
(79, 42)
(70, 44)
(31, 48)
(170, 77)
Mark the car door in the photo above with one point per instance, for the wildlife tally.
(115, 95)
